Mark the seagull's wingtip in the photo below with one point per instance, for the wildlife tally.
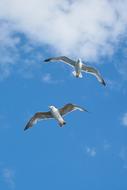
(27, 127)
(46, 60)
(83, 109)
(104, 83)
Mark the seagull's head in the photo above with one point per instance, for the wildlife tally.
(51, 107)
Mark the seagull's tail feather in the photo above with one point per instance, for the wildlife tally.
(78, 75)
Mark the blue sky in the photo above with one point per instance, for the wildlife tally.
(90, 152)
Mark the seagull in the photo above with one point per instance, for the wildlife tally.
(53, 113)
(79, 67)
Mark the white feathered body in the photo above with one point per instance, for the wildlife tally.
(78, 68)
(55, 113)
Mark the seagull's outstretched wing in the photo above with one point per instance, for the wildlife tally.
(36, 117)
(69, 108)
(94, 72)
(63, 59)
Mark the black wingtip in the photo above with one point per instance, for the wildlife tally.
(104, 83)
(86, 110)
(46, 60)
(27, 127)
(64, 123)
(83, 109)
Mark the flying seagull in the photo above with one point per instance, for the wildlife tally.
(53, 113)
(79, 67)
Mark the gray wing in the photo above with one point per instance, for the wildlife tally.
(63, 59)
(94, 72)
(36, 117)
(69, 108)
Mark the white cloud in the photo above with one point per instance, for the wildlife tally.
(47, 78)
(106, 145)
(8, 175)
(124, 119)
(115, 84)
(4, 121)
(89, 29)
(16, 54)
(121, 60)
(91, 151)
(8, 50)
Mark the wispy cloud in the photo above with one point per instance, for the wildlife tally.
(106, 145)
(8, 51)
(9, 177)
(90, 151)
(48, 78)
(123, 156)
(4, 122)
(18, 54)
(124, 119)
(121, 59)
(113, 85)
